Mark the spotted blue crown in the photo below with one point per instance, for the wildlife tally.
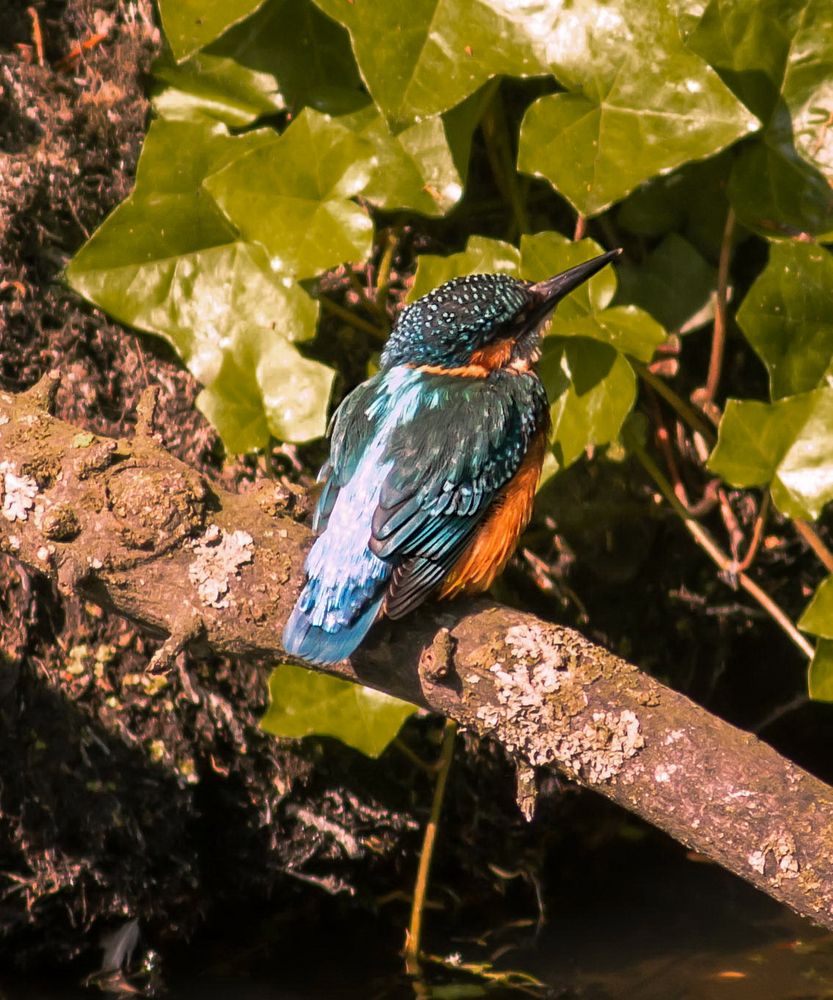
(447, 325)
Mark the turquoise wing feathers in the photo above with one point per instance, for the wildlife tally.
(415, 462)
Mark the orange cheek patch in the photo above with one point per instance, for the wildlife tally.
(494, 355)
(498, 536)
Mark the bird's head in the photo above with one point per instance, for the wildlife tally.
(482, 321)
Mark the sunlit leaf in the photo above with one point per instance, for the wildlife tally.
(304, 702)
(627, 328)
(639, 103)
(288, 55)
(292, 196)
(820, 679)
(191, 24)
(424, 57)
(787, 445)
(167, 262)
(591, 388)
(673, 283)
(818, 615)
(264, 387)
(787, 316)
(777, 56)
(413, 169)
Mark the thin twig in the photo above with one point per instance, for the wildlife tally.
(677, 403)
(813, 539)
(37, 34)
(362, 292)
(723, 562)
(757, 534)
(581, 227)
(351, 318)
(75, 53)
(383, 274)
(413, 938)
(664, 442)
(721, 310)
(414, 758)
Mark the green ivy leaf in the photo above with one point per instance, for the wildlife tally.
(787, 445)
(818, 615)
(787, 317)
(265, 387)
(820, 679)
(191, 24)
(288, 55)
(673, 283)
(691, 200)
(422, 58)
(292, 196)
(627, 328)
(591, 388)
(168, 263)
(413, 169)
(304, 703)
(633, 109)
(780, 196)
(777, 56)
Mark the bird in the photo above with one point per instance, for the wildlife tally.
(434, 461)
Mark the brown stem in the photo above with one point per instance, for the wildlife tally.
(812, 538)
(677, 403)
(351, 318)
(713, 550)
(413, 939)
(721, 309)
(581, 227)
(757, 534)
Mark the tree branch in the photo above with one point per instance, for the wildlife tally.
(128, 525)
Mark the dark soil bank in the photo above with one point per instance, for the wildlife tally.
(125, 795)
(122, 795)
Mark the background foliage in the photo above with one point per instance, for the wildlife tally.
(307, 159)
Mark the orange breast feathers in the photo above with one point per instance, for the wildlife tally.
(495, 541)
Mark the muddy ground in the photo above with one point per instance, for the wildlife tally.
(121, 795)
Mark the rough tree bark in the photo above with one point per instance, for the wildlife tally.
(131, 527)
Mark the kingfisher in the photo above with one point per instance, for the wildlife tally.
(434, 461)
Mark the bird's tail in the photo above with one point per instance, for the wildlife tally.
(317, 645)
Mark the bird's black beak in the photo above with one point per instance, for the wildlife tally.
(551, 291)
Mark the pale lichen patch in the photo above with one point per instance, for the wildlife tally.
(598, 750)
(539, 710)
(219, 556)
(526, 790)
(19, 493)
(664, 772)
(776, 857)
